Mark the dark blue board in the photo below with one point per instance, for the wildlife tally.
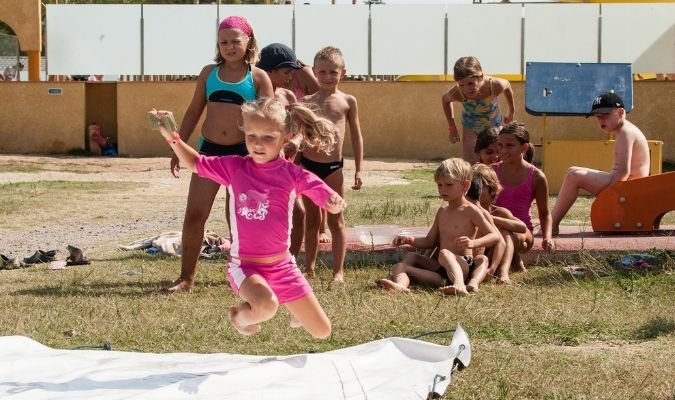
(553, 88)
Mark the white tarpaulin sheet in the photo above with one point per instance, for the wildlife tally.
(392, 368)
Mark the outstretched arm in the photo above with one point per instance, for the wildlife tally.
(427, 242)
(192, 114)
(335, 204)
(186, 154)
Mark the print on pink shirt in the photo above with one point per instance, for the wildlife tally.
(253, 204)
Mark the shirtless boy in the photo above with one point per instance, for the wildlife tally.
(631, 156)
(454, 228)
(341, 109)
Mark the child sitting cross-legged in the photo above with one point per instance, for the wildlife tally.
(454, 229)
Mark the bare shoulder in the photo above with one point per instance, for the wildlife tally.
(207, 70)
(499, 84)
(258, 73)
(310, 98)
(452, 94)
(351, 100)
(630, 132)
(501, 212)
(285, 96)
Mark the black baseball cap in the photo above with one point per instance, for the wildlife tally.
(605, 103)
(277, 55)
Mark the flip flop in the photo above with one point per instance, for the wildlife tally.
(10, 263)
(55, 265)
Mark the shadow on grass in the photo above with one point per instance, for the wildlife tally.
(656, 327)
(108, 289)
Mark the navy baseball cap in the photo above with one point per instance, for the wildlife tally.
(605, 103)
(277, 55)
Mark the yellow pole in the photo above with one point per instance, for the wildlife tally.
(33, 66)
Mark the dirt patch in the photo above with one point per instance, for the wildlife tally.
(158, 204)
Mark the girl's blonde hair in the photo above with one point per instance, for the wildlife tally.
(489, 179)
(251, 56)
(521, 134)
(316, 132)
(454, 168)
(467, 67)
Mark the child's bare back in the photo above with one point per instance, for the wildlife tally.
(631, 152)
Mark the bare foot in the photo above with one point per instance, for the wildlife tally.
(308, 273)
(520, 267)
(338, 278)
(454, 290)
(504, 280)
(179, 285)
(472, 286)
(324, 238)
(555, 231)
(247, 330)
(391, 286)
(295, 322)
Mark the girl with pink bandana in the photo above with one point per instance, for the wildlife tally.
(221, 89)
(263, 187)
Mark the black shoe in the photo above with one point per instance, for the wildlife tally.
(41, 257)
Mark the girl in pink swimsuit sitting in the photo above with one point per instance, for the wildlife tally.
(522, 183)
(479, 94)
(263, 187)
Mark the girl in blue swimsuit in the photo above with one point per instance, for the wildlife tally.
(221, 89)
(479, 95)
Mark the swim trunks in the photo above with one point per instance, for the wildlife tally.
(208, 148)
(321, 169)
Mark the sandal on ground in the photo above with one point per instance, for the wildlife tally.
(76, 256)
(10, 263)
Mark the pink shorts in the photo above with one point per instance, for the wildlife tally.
(284, 277)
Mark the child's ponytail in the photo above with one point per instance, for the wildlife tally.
(529, 153)
(317, 132)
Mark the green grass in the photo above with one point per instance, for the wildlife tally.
(609, 335)
(548, 336)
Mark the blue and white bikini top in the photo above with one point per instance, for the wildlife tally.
(232, 93)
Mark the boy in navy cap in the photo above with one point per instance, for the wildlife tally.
(631, 156)
(279, 61)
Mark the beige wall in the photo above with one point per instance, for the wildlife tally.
(23, 16)
(134, 100)
(398, 119)
(405, 119)
(33, 121)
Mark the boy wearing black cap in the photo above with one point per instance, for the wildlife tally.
(631, 156)
(279, 61)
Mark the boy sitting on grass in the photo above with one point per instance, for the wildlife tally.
(455, 229)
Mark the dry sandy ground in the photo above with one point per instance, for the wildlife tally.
(135, 219)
